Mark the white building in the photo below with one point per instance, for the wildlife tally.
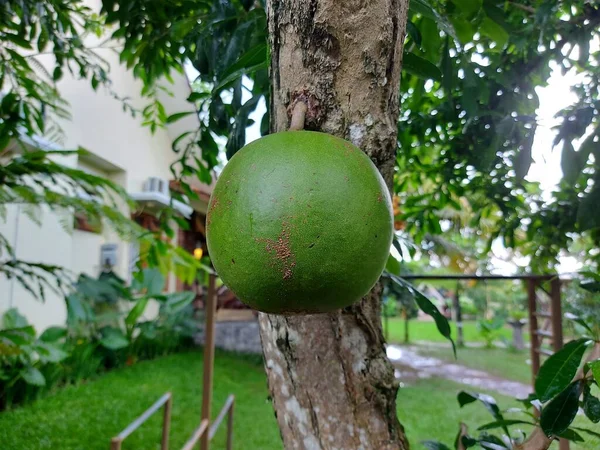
(122, 150)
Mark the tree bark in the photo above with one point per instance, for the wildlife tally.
(330, 380)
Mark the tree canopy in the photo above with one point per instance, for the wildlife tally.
(468, 120)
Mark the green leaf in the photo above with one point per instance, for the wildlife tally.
(591, 405)
(152, 282)
(581, 322)
(53, 334)
(423, 8)
(588, 214)
(113, 339)
(464, 29)
(251, 61)
(50, 353)
(465, 398)
(468, 7)
(447, 68)
(18, 336)
(494, 31)
(434, 445)
(559, 369)
(137, 311)
(587, 431)
(570, 435)
(560, 412)
(428, 308)
(180, 115)
(195, 96)
(491, 442)
(13, 319)
(503, 424)
(569, 162)
(176, 301)
(393, 265)
(17, 40)
(414, 33)
(178, 139)
(595, 366)
(431, 40)
(33, 376)
(57, 74)
(420, 67)
(42, 40)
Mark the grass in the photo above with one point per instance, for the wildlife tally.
(88, 415)
(504, 363)
(421, 330)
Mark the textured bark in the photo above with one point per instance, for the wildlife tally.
(330, 380)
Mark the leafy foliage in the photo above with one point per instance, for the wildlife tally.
(560, 390)
(105, 328)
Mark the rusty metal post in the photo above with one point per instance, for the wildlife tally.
(557, 331)
(209, 356)
(460, 341)
(556, 314)
(230, 427)
(533, 327)
(164, 443)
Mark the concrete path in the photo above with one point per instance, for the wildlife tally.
(410, 365)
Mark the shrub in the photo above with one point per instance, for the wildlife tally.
(104, 330)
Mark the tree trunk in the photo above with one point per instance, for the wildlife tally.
(406, 320)
(330, 380)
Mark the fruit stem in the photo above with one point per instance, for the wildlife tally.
(298, 116)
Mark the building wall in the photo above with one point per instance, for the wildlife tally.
(120, 149)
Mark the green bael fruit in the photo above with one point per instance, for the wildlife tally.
(299, 222)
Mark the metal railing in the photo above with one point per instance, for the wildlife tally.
(167, 401)
(203, 431)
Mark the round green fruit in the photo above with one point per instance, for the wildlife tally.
(299, 222)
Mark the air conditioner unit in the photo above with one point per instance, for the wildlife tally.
(155, 184)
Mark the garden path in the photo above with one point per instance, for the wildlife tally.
(411, 365)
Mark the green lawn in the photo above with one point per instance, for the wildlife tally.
(421, 330)
(504, 363)
(86, 416)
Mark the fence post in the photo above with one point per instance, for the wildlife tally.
(230, 427)
(533, 327)
(209, 356)
(164, 443)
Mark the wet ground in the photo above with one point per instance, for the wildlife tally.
(410, 365)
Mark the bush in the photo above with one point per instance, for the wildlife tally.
(98, 335)
(489, 329)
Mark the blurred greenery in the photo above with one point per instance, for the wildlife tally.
(422, 330)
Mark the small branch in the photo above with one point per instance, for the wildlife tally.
(529, 9)
(536, 441)
(463, 431)
(298, 116)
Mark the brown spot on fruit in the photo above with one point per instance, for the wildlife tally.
(281, 253)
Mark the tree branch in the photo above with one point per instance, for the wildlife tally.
(529, 9)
